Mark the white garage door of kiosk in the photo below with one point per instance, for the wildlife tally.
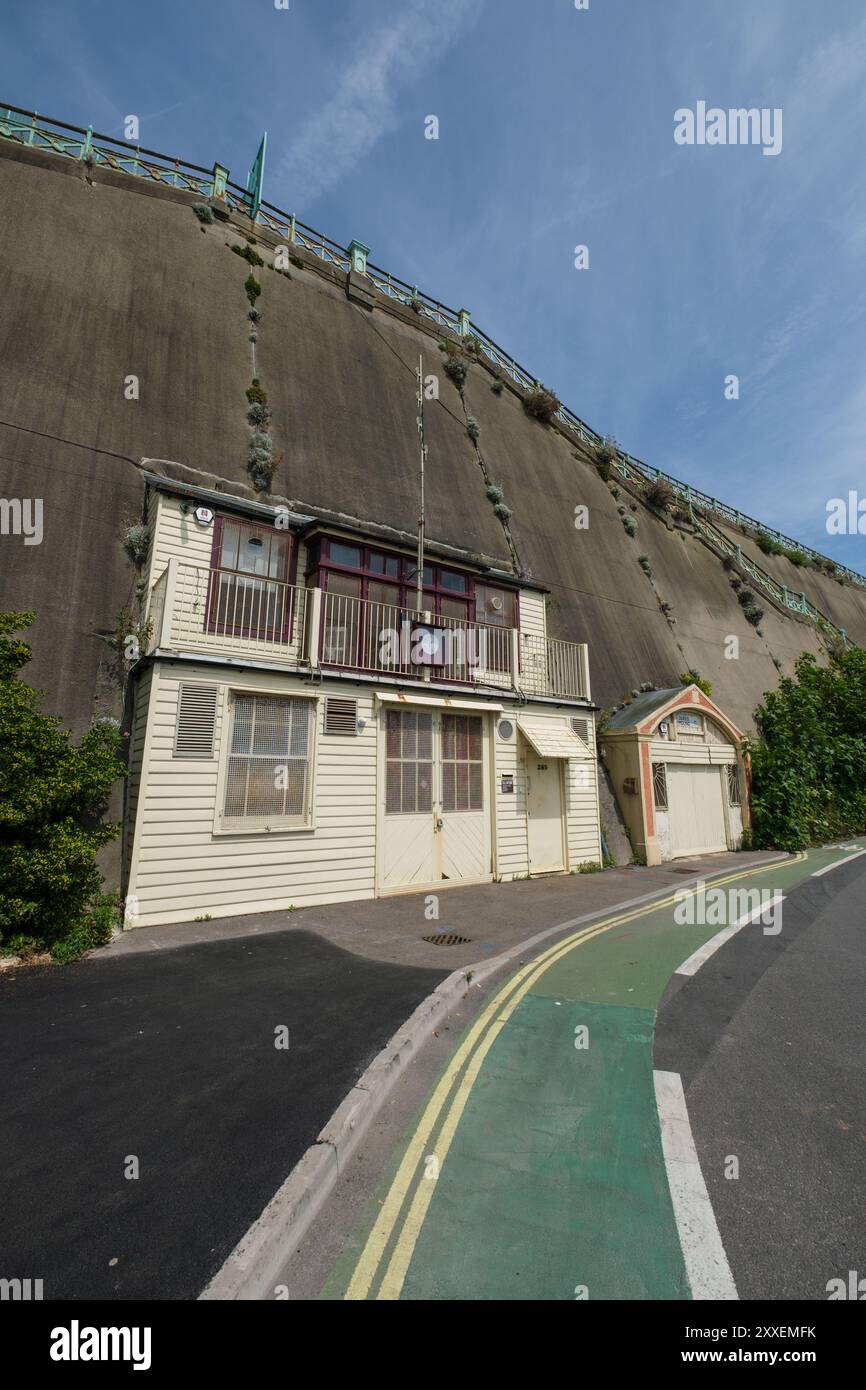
(696, 809)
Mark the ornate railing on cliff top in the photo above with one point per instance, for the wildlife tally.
(74, 142)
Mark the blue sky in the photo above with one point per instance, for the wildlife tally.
(556, 129)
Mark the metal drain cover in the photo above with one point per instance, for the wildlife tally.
(447, 938)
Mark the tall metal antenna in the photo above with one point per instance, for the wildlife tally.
(423, 447)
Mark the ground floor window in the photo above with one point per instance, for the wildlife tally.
(268, 776)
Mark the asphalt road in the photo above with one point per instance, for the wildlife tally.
(768, 1037)
(170, 1057)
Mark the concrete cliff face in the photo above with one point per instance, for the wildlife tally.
(105, 276)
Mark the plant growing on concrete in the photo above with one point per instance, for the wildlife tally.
(203, 212)
(497, 387)
(630, 525)
(693, 677)
(136, 540)
(473, 429)
(52, 800)
(494, 492)
(659, 494)
(260, 460)
(799, 558)
(455, 369)
(253, 288)
(644, 562)
(753, 614)
(258, 415)
(296, 262)
(605, 452)
(768, 544)
(541, 404)
(502, 511)
(248, 254)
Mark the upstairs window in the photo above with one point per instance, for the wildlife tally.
(249, 591)
(381, 577)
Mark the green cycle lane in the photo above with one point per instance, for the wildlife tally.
(554, 1185)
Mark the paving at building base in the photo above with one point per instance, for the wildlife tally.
(535, 1167)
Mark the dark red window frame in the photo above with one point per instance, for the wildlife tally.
(320, 564)
(262, 632)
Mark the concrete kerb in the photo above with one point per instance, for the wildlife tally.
(252, 1270)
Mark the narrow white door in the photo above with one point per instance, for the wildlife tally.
(465, 815)
(544, 813)
(696, 809)
(410, 852)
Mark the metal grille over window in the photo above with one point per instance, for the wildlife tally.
(660, 787)
(409, 758)
(196, 720)
(341, 716)
(734, 784)
(269, 761)
(462, 753)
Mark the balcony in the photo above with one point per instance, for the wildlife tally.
(197, 609)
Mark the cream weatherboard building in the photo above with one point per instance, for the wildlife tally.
(304, 731)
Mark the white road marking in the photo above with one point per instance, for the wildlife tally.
(706, 1263)
(835, 865)
(709, 948)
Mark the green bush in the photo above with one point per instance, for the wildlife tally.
(809, 759)
(693, 677)
(252, 287)
(52, 797)
(248, 254)
(767, 544)
(256, 395)
(455, 369)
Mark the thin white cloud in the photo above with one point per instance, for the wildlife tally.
(365, 105)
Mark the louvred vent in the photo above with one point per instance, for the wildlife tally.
(196, 721)
(341, 716)
(581, 728)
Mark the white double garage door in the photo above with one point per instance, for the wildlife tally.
(696, 808)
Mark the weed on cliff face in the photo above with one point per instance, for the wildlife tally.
(541, 404)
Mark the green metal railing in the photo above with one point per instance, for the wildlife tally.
(41, 132)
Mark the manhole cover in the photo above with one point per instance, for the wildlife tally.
(447, 938)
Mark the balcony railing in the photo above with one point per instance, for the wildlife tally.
(194, 608)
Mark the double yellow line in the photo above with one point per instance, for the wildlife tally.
(468, 1060)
